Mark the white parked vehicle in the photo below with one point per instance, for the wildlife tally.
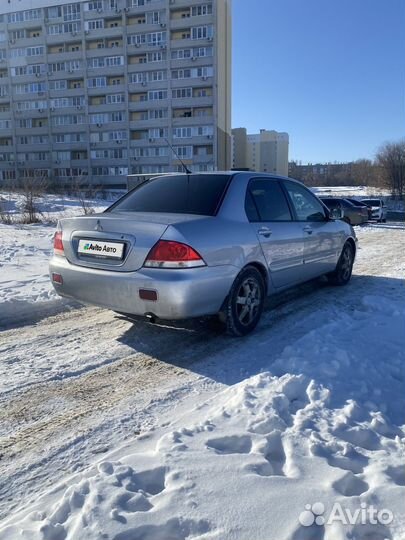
(378, 209)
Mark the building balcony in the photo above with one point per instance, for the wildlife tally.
(105, 51)
(191, 63)
(189, 22)
(63, 56)
(194, 82)
(153, 160)
(152, 104)
(69, 92)
(192, 121)
(184, 103)
(62, 38)
(143, 28)
(73, 128)
(105, 108)
(113, 88)
(104, 33)
(109, 162)
(147, 86)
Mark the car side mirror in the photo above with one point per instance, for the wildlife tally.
(336, 213)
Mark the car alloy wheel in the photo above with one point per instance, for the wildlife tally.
(245, 302)
(346, 263)
(248, 301)
(344, 267)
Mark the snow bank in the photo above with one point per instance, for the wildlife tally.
(24, 254)
(265, 457)
(25, 251)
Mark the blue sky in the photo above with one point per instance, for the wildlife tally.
(329, 72)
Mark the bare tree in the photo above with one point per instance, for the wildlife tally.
(84, 191)
(365, 172)
(391, 159)
(32, 186)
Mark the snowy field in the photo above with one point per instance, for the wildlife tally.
(26, 249)
(128, 431)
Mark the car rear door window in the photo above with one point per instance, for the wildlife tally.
(200, 194)
(306, 205)
(265, 201)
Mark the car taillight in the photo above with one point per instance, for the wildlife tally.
(58, 244)
(170, 254)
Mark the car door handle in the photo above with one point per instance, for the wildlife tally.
(307, 229)
(264, 231)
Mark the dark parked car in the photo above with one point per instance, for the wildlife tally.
(350, 213)
(366, 209)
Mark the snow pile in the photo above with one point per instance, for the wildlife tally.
(24, 255)
(25, 251)
(51, 207)
(263, 458)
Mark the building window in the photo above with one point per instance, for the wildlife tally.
(180, 93)
(202, 32)
(97, 82)
(157, 94)
(184, 152)
(94, 5)
(21, 16)
(156, 56)
(115, 98)
(205, 9)
(180, 54)
(71, 12)
(94, 25)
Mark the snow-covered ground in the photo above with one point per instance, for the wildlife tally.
(129, 431)
(26, 249)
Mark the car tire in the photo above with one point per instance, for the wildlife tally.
(244, 304)
(343, 272)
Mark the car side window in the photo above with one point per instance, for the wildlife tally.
(268, 200)
(306, 205)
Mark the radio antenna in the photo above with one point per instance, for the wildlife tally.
(186, 169)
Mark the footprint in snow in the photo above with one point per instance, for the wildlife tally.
(397, 474)
(233, 444)
(370, 532)
(350, 485)
(272, 449)
(347, 459)
(174, 529)
(313, 532)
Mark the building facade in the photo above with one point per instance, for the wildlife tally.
(266, 151)
(95, 89)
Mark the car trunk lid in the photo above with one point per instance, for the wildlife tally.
(117, 241)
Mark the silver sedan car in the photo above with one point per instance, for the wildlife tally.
(188, 245)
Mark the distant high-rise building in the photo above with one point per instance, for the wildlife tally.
(94, 88)
(266, 151)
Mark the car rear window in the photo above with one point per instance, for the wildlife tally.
(372, 202)
(331, 203)
(183, 194)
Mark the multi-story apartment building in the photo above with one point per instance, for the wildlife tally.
(266, 151)
(94, 88)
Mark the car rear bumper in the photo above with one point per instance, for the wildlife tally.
(181, 293)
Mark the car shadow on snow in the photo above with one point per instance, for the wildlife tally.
(297, 319)
(287, 317)
(22, 313)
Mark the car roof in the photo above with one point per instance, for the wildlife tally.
(247, 174)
